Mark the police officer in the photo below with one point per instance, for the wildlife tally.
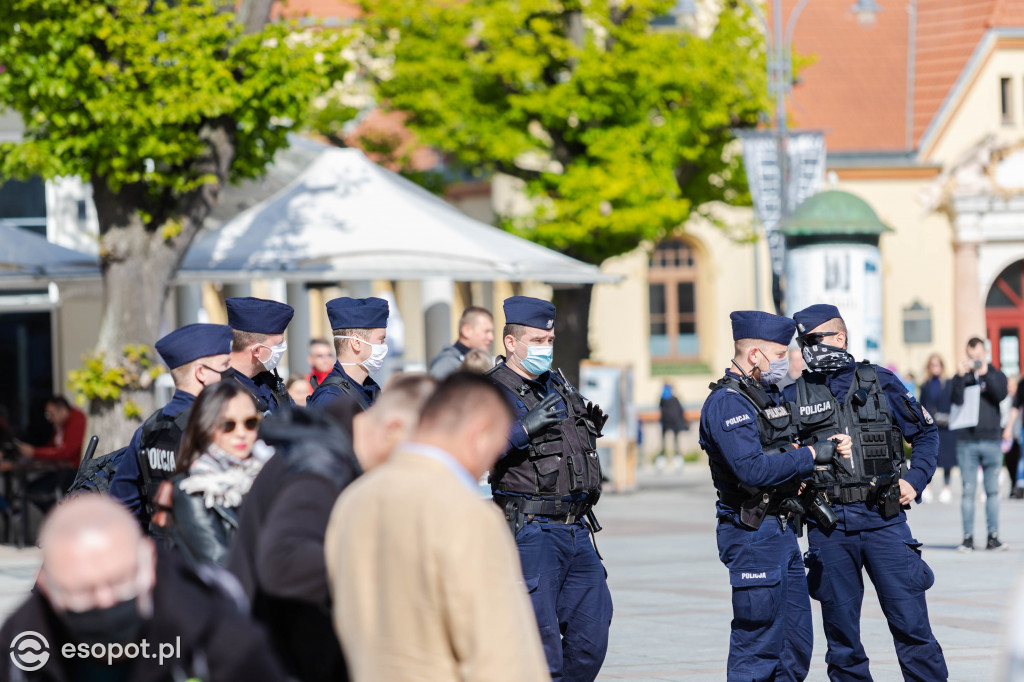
(258, 347)
(837, 394)
(197, 355)
(546, 483)
(748, 434)
(359, 326)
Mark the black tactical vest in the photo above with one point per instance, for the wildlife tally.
(864, 415)
(776, 430)
(274, 382)
(346, 386)
(158, 452)
(558, 462)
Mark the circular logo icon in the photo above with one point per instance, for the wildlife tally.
(30, 651)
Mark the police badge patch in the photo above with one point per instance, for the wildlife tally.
(927, 416)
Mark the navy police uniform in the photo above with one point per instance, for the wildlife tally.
(147, 461)
(260, 316)
(864, 539)
(546, 485)
(771, 635)
(351, 313)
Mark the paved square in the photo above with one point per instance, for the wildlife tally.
(672, 598)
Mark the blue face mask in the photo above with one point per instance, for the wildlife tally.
(538, 359)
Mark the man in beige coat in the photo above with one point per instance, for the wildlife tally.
(424, 574)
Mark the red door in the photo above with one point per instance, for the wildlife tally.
(1004, 318)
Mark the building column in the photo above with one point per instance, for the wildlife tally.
(188, 307)
(968, 303)
(437, 295)
(299, 328)
(237, 290)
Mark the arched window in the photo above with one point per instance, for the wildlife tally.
(672, 282)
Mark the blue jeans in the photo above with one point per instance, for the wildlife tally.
(969, 455)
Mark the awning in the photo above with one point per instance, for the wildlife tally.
(346, 218)
(28, 258)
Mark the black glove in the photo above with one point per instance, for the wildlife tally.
(541, 416)
(597, 416)
(824, 451)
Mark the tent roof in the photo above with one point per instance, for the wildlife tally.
(347, 218)
(26, 257)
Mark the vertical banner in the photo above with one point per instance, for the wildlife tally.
(806, 152)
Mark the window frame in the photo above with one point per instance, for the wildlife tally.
(670, 277)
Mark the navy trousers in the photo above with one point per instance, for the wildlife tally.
(570, 596)
(892, 558)
(772, 635)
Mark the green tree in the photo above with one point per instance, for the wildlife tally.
(158, 103)
(618, 130)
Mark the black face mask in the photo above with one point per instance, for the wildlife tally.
(120, 623)
(821, 357)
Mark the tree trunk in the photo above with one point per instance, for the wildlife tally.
(572, 324)
(139, 263)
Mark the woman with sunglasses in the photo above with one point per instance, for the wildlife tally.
(220, 457)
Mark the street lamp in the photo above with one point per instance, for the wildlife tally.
(779, 62)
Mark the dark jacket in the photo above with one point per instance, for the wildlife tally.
(278, 552)
(217, 642)
(202, 534)
(448, 360)
(672, 417)
(993, 390)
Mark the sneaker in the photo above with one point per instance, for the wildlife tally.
(927, 496)
(946, 496)
(967, 545)
(994, 544)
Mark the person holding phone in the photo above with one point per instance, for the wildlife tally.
(979, 445)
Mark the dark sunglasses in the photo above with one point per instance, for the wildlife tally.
(250, 424)
(813, 338)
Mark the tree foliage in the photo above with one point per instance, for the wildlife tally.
(122, 91)
(618, 130)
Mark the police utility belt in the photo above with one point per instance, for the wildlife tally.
(552, 511)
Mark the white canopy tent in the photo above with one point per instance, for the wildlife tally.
(346, 218)
(28, 259)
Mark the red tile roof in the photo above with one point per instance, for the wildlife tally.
(319, 9)
(856, 88)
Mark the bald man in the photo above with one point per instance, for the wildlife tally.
(110, 605)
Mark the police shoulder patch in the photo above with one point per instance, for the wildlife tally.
(731, 423)
(927, 416)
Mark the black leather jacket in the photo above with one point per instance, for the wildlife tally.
(202, 533)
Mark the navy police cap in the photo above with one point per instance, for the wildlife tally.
(257, 315)
(755, 324)
(194, 341)
(530, 312)
(814, 316)
(357, 313)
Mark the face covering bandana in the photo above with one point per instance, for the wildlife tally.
(377, 354)
(823, 358)
(538, 359)
(777, 369)
(276, 353)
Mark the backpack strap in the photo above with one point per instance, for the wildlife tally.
(344, 385)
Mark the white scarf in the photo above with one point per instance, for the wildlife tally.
(222, 478)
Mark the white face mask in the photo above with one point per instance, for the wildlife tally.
(276, 353)
(377, 354)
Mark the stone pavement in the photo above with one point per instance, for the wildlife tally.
(672, 597)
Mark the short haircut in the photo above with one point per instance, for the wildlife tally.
(974, 342)
(319, 342)
(477, 361)
(462, 394)
(242, 340)
(472, 314)
(342, 344)
(180, 374)
(406, 393)
(59, 401)
(743, 346)
(516, 331)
